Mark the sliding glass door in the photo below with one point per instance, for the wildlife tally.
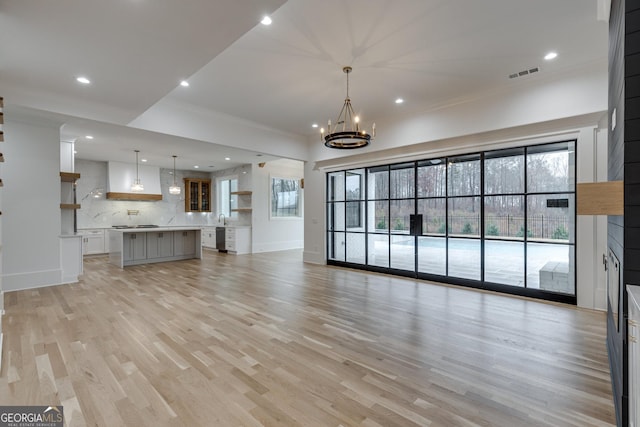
(502, 219)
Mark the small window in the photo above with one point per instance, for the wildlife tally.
(285, 198)
(227, 201)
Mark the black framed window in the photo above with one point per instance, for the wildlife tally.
(501, 219)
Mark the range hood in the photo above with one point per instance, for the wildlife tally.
(122, 175)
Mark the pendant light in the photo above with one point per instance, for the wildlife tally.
(137, 186)
(175, 188)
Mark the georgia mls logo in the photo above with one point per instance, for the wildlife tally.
(31, 416)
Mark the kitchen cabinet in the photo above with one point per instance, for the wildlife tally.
(160, 244)
(134, 247)
(237, 240)
(93, 241)
(197, 195)
(209, 237)
(184, 243)
(633, 349)
(152, 245)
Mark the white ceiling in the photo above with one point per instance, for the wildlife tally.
(285, 76)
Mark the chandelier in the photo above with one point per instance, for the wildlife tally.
(347, 133)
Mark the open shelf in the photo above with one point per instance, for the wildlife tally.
(242, 193)
(69, 206)
(241, 210)
(69, 176)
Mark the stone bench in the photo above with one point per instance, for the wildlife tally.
(554, 276)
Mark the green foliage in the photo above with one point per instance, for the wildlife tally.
(467, 229)
(442, 228)
(492, 230)
(560, 233)
(520, 232)
(399, 224)
(382, 224)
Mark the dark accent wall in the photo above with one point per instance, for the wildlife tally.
(624, 164)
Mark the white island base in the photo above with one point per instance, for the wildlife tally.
(134, 246)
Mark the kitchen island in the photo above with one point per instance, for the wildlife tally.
(135, 245)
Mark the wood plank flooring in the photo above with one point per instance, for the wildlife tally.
(267, 340)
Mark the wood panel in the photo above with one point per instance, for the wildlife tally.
(70, 206)
(69, 176)
(134, 196)
(600, 198)
(266, 339)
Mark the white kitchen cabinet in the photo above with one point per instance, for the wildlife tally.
(93, 241)
(160, 244)
(209, 237)
(184, 243)
(238, 240)
(134, 247)
(633, 348)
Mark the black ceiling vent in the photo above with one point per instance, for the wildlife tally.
(524, 72)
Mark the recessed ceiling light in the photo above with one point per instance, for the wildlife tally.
(227, 158)
(196, 167)
(551, 55)
(83, 80)
(75, 152)
(184, 83)
(315, 125)
(266, 21)
(88, 137)
(399, 101)
(143, 160)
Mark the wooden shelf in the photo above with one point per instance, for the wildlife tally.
(241, 210)
(69, 176)
(134, 196)
(242, 193)
(69, 206)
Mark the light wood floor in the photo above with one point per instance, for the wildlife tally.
(268, 340)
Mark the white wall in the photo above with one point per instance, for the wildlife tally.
(31, 200)
(566, 107)
(275, 234)
(122, 175)
(99, 212)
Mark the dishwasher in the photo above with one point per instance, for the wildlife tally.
(220, 239)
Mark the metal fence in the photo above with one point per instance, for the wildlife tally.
(538, 226)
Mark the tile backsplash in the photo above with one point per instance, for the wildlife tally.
(98, 212)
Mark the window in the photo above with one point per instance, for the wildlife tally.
(500, 219)
(227, 201)
(285, 198)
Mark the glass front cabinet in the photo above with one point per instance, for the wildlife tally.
(197, 195)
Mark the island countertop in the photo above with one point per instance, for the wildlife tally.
(143, 245)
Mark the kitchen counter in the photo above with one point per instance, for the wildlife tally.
(144, 245)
